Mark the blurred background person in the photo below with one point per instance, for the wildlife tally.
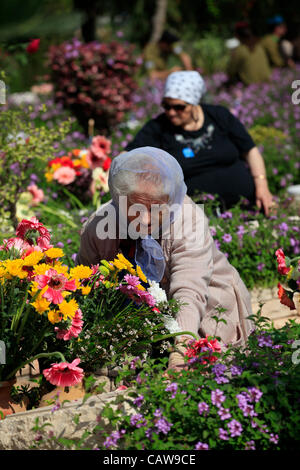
(271, 43)
(248, 61)
(157, 54)
(216, 153)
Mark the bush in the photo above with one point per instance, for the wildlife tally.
(94, 80)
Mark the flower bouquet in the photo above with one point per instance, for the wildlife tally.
(37, 293)
(289, 297)
(125, 314)
(81, 173)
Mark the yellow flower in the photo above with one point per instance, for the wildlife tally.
(54, 316)
(60, 268)
(81, 272)
(55, 166)
(41, 268)
(34, 258)
(41, 305)
(49, 176)
(3, 272)
(54, 253)
(141, 274)
(14, 268)
(68, 309)
(140, 287)
(86, 290)
(124, 260)
(119, 265)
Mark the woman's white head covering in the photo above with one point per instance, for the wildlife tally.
(187, 86)
(127, 172)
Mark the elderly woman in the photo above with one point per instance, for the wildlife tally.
(209, 142)
(172, 245)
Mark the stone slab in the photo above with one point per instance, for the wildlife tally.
(16, 431)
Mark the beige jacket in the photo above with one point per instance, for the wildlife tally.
(196, 273)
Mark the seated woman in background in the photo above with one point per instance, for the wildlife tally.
(248, 62)
(209, 142)
(173, 246)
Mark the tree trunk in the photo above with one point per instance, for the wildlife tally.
(159, 20)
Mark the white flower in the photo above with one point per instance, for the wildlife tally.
(157, 292)
(100, 178)
(171, 324)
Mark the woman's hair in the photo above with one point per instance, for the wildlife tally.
(131, 172)
(245, 35)
(134, 179)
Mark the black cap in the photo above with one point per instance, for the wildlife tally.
(168, 37)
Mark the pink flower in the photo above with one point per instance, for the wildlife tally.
(97, 153)
(122, 387)
(64, 175)
(100, 143)
(27, 228)
(16, 243)
(64, 374)
(75, 329)
(38, 194)
(57, 283)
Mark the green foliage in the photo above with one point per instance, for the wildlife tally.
(246, 400)
(21, 144)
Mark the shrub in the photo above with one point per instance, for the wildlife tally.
(95, 80)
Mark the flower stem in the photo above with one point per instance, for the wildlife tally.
(172, 335)
(28, 361)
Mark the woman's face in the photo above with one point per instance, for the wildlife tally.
(177, 111)
(139, 207)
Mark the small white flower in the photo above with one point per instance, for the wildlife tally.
(157, 292)
(171, 324)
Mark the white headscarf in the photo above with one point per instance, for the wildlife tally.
(187, 86)
(122, 181)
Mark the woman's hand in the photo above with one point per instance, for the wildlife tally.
(264, 198)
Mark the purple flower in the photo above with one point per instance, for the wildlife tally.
(201, 446)
(138, 400)
(224, 413)
(274, 438)
(162, 425)
(260, 266)
(235, 428)
(226, 215)
(283, 227)
(217, 397)
(203, 408)
(250, 445)
(172, 388)
(236, 370)
(218, 244)
(264, 341)
(138, 420)
(112, 440)
(223, 434)
(255, 394)
(60, 244)
(227, 238)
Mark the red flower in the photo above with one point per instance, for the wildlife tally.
(64, 374)
(202, 345)
(28, 230)
(106, 164)
(284, 297)
(33, 46)
(282, 268)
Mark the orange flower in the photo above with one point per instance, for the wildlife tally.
(285, 298)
